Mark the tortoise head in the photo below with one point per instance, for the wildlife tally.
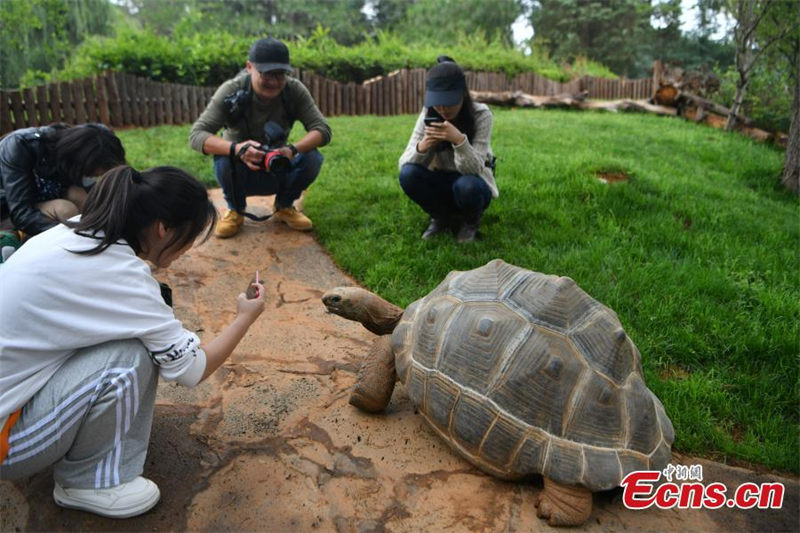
(348, 302)
(360, 305)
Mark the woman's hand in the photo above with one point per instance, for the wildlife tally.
(221, 347)
(426, 143)
(443, 131)
(251, 308)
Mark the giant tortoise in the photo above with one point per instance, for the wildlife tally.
(521, 373)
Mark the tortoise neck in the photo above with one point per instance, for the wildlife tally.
(382, 316)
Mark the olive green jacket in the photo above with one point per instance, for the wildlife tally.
(295, 103)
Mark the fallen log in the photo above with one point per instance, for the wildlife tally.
(692, 101)
(694, 108)
(520, 99)
(715, 120)
(629, 105)
(666, 95)
(574, 101)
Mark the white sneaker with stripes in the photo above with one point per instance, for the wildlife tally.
(123, 501)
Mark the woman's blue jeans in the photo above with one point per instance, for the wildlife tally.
(443, 194)
(286, 186)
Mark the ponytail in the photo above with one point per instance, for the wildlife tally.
(124, 203)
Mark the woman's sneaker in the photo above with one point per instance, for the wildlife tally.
(436, 226)
(123, 501)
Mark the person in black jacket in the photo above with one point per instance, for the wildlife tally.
(45, 172)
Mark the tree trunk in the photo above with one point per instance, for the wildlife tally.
(742, 39)
(741, 88)
(791, 168)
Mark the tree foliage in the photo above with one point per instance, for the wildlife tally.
(760, 26)
(346, 20)
(284, 19)
(444, 20)
(608, 31)
(38, 35)
(628, 35)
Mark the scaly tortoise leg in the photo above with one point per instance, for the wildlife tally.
(564, 505)
(376, 378)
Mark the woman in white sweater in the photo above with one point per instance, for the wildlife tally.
(448, 166)
(87, 330)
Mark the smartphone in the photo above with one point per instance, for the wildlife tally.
(433, 117)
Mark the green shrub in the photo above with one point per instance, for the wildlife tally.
(209, 59)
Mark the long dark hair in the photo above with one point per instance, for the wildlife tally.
(125, 202)
(465, 120)
(83, 150)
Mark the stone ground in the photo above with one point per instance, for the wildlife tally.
(269, 442)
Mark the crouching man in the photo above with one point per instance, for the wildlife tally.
(256, 111)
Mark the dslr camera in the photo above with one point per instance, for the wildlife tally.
(274, 161)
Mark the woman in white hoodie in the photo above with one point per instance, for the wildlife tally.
(87, 330)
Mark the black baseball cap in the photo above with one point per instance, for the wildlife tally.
(445, 85)
(269, 54)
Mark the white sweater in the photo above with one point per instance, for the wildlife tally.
(54, 302)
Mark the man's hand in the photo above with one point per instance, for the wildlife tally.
(286, 151)
(250, 154)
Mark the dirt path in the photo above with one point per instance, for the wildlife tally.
(269, 443)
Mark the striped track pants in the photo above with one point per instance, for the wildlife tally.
(91, 421)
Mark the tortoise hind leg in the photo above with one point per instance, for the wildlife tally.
(376, 378)
(564, 505)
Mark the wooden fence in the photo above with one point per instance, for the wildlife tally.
(115, 99)
(121, 100)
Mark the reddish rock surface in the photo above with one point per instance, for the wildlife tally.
(269, 442)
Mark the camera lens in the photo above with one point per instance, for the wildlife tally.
(276, 162)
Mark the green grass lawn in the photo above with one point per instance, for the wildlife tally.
(697, 251)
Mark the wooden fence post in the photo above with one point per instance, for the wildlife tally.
(41, 104)
(115, 107)
(102, 100)
(76, 89)
(67, 111)
(5, 112)
(123, 86)
(54, 103)
(337, 95)
(87, 88)
(166, 94)
(16, 107)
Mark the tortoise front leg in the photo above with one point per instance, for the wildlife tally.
(376, 379)
(564, 505)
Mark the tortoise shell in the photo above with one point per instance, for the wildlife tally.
(524, 373)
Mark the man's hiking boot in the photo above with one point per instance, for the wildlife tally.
(292, 218)
(229, 224)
